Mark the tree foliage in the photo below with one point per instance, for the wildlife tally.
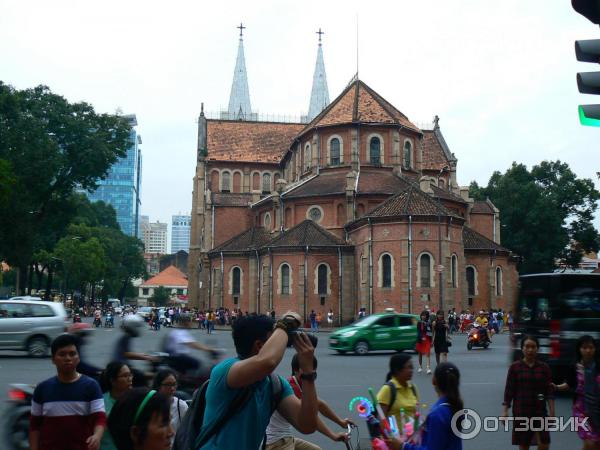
(48, 149)
(161, 296)
(546, 213)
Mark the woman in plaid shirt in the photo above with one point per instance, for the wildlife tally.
(528, 388)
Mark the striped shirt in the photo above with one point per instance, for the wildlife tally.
(65, 414)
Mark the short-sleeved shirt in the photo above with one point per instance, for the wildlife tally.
(405, 399)
(122, 346)
(248, 426)
(65, 414)
(107, 442)
(178, 340)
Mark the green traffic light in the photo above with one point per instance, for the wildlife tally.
(589, 115)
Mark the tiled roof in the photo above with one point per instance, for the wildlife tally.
(171, 276)
(446, 195)
(250, 239)
(482, 207)
(306, 233)
(220, 199)
(413, 202)
(326, 183)
(359, 103)
(249, 141)
(380, 181)
(472, 240)
(434, 157)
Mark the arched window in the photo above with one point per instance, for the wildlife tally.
(266, 183)
(256, 181)
(375, 151)
(407, 155)
(471, 281)
(307, 157)
(236, 281)
(267, 221)
(498, 281)
(454, 270)
(386, 263)
(237, 182)
(285, 279)
(322, 279)
(225, 182)
(334, 151)
(425, 268)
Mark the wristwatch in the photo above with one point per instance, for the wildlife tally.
(281, 324)
(311, 376)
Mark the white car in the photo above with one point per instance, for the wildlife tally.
(145, 312)
(118, 309)
(30, 325)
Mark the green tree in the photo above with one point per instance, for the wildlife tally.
(546, 213)
(53, 147)
(161, 296)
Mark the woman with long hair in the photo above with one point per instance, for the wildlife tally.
(440, 337)
(165, 382)
(423, 346)
(437, 433)
(528, 388)
(140, 421)
(399, 395)
(584, 382)
(117, 379)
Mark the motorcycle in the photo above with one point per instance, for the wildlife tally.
(16, 417)
(97, 322)
(76, 318)
(109, 322)
(478, 337)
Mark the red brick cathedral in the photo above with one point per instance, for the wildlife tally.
(354, 208)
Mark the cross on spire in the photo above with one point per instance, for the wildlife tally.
(320, 33)
(242, 28)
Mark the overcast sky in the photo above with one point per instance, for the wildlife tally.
(499, 74)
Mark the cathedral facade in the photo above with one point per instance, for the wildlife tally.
(356, 207)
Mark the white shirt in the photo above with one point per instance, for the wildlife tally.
(178, 410)
(178, 340)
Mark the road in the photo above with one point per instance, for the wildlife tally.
(340, 378)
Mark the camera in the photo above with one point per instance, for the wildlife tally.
(313, 339)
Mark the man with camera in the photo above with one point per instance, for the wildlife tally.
(260, 346)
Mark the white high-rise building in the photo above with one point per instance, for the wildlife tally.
(154, 236)
(181, 227)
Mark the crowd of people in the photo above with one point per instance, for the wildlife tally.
(116, 408)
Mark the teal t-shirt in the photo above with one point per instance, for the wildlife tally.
(107, 443)
(247, 428)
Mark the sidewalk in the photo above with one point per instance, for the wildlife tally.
(228, 328)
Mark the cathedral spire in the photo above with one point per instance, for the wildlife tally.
(319, 96)
(239, 100)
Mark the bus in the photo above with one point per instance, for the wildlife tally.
(557, 308)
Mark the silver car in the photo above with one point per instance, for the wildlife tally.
(30, 325)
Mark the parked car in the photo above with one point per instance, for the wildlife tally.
(145, 312)
(30, 325)
(383, 331)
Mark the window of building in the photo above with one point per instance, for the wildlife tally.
(285, 279)
(322, 279)
(407, 155)
(307, 157)
(425, 267)
(144, 291)
(267, 221)
(236, 283)
(454, 270)
(386, 263)
(470, 281)
(225, 182)
(334, 149)
(314, 213)
(375, 151)
(498, 281)
(441, 183)
(266, 183)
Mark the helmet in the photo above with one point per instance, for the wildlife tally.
(133, 324)
(79, 328)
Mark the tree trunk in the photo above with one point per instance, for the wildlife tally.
(123, 289)
(39, 274)
(49, 282)
(30, 279)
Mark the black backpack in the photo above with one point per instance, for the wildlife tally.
(191, 436)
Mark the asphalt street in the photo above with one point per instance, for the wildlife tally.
(340, 378)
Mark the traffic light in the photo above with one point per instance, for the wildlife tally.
(588, 51)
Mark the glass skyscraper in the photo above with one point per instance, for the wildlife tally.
(181, 227)
(121, 187)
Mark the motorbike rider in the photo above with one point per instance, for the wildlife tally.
(481, 322)
(98, 317)
(82, 331)
(178, 345)
(132, 326)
